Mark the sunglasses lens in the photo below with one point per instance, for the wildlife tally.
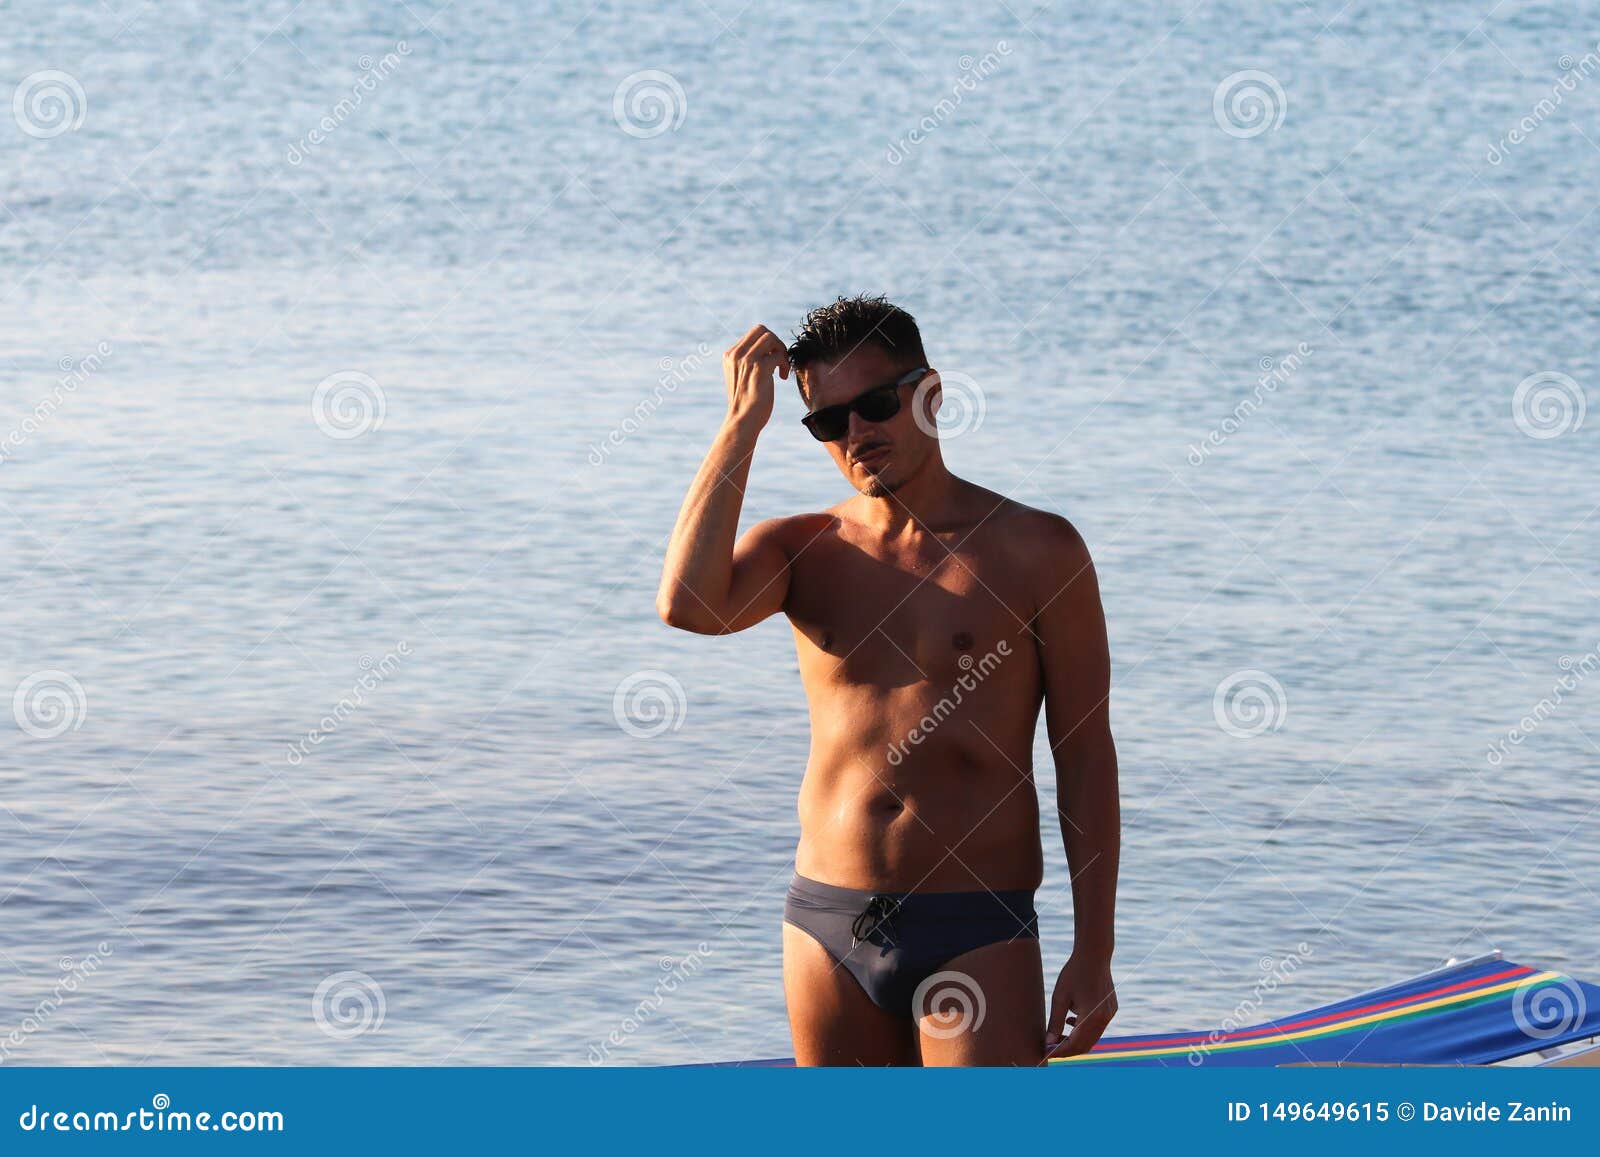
(880, 405)
(829, 423)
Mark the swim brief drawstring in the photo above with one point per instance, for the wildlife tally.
(879, 911)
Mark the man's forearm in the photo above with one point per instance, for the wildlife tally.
(698, 570)
(1091, 830)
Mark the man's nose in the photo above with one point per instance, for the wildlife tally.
(860, 428)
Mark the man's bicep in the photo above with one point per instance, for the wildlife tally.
(1074, 653)
(760, 582)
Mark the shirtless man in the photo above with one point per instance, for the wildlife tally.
(932, 618)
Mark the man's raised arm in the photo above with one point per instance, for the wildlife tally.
(709, 585)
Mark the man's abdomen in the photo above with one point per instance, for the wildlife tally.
(941, 816)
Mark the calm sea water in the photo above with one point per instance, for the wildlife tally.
(400, 415)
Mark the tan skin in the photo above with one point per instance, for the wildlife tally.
(886, 593)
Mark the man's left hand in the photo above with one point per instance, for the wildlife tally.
(1084, 989)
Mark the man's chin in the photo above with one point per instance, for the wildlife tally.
(879, 486)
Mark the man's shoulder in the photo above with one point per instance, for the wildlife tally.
(1038, 535)
(792, 532)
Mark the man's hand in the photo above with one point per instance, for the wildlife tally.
(1084, 989)
(713, 582)
(747, 368)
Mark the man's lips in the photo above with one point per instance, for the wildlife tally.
(872, 454)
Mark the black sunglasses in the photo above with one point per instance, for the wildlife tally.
(878, 404)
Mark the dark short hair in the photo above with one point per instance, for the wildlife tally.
(831, 331)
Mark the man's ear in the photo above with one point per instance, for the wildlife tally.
(925, 402)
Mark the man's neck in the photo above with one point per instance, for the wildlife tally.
(926, 501)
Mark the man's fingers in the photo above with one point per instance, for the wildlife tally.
(759, 345)
(1085, 1035)
(750, 341)
(1060, 1005)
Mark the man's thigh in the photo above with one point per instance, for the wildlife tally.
(985, 1007)
(833, 1021)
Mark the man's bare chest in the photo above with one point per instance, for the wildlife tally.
(897, 620)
